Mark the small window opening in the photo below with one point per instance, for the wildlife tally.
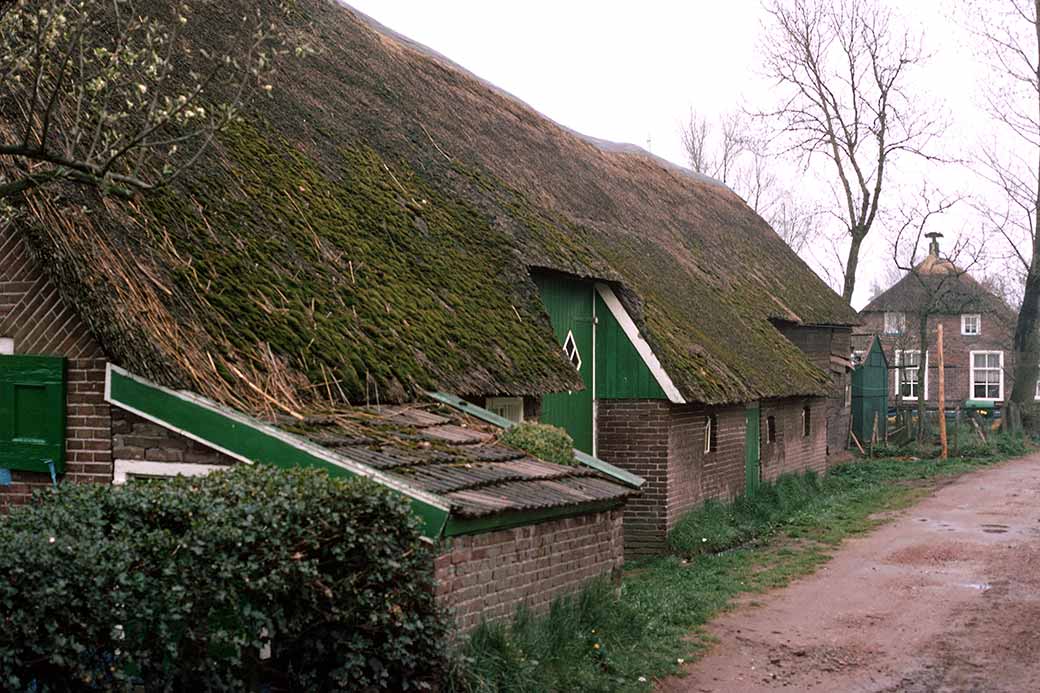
(770, 429)
(806, 421)
(711, 434)
(570, 347)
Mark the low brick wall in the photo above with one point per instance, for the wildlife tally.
(487, 576)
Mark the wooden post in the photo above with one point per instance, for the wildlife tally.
(957, 434)
(942, 396)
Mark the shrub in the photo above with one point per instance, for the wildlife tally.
(179, 585)
(547, 442)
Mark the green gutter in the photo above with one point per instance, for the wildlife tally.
(248, 440)
(599, 465)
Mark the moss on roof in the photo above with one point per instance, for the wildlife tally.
(369, 231)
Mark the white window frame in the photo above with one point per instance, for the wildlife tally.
(124, 470)
(1036, 395)
(978, 324)
(971, 375)
(511, 408)
(899, 374)
(899, 318)
(708, 426)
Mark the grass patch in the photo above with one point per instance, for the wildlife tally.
(622, 638)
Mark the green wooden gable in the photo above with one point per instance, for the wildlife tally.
(32, 413)
(621, 372)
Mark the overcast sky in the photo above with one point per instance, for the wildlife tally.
(631, 72)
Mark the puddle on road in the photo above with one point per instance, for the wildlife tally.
(981, 586)
(995, 529)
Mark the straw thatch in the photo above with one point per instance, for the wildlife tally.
(370, 229)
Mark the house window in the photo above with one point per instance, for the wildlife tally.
(848, 390)
(908, 372)
(770, 429)
(570, 347)
(1036, 395)
(895, 323)
(971, 324)
(806, 421)
(711, 433)
(857, 357)
(987, 374)
(511, 408)
(126, 470)
(6, 346)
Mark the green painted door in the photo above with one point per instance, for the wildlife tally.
(752, 449)
(569, 303)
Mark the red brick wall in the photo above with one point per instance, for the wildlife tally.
(487, 576)
(664, 444)
(134, 438)
(996, 336)
(635, 435)
(793, 452)
(34, 315)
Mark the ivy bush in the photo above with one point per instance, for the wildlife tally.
(547, 442)
(186, 584)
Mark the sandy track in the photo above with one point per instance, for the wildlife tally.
(944, 598)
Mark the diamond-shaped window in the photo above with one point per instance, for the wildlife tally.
(570, 347)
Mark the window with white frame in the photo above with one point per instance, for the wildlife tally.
(909, 374)
(511, 408)
(711, 433)
(987, 375)
(971, 324)
(1036, 395)
(895, 323)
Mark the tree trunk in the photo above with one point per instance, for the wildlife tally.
(851, 265)
(1027, 344)
(941, 363)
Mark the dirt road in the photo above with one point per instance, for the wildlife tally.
(944, 598)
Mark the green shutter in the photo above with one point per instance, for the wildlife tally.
(32, 413)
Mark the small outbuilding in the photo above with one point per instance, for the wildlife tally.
(870, 392)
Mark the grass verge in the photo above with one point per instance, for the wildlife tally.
(621, 639)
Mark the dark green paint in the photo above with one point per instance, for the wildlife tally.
(870, 393)
(569, 303)
(752, 448)
(248, 441)
(32, 413)
(621, 372)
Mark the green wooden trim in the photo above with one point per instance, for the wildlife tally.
(584, 458)
(459, 526)
(472, 409)
(609, 469)
(249, 440)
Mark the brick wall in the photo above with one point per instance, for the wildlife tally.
(793, 452)
(487, 576)
(134, 438)
(636, 436)
(996, 335)
(32, 313)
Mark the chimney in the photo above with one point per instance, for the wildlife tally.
(933, 247)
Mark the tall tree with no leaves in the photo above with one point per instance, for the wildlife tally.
(841, 66)
(109, 94)
(1010, 33)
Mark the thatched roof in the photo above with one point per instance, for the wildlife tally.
(370, 229)
(938, 286)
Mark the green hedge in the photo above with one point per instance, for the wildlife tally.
(178, 585)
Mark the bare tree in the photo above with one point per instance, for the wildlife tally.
(841, 66)
(740, 158)
(938, 284)
(101, 94)
(1010, 33)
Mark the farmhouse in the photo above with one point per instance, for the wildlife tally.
(978, 328)
(385, 226)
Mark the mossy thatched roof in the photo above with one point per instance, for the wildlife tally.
(369, 231)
